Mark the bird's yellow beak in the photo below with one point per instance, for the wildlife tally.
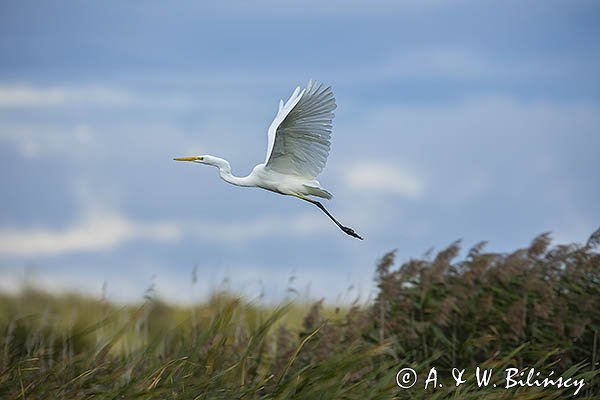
(188, 159)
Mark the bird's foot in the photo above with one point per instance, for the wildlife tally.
(350, 231)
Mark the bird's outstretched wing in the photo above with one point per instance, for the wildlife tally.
(299, 136)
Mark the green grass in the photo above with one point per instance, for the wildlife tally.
(535, 307)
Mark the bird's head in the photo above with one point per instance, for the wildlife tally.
(207, 160)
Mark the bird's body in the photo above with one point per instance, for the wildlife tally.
(266, 178)
(298, 146)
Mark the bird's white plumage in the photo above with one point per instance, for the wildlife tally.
(298, 146)
(299, 136)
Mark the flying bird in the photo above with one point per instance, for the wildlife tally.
(299, 140)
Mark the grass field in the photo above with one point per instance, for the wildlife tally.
(535, 307)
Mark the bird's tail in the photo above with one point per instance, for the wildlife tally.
(316, 190)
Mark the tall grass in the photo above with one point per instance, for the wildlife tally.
(534, 307)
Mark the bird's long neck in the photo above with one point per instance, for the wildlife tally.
(226, 175)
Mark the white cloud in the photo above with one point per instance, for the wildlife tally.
(101, 231)
(262, 227)
(97, 231)
(382, 177)
(34, 96)
(35, 140)
(98, 94)
(239, 89)
(472, 147)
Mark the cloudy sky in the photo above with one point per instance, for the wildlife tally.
(469, 120)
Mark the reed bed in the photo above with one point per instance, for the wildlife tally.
(535, 307)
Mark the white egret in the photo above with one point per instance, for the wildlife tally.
(299, 140)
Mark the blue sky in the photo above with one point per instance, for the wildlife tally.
(469, 120)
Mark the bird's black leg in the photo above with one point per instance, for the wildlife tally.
(345, 229)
